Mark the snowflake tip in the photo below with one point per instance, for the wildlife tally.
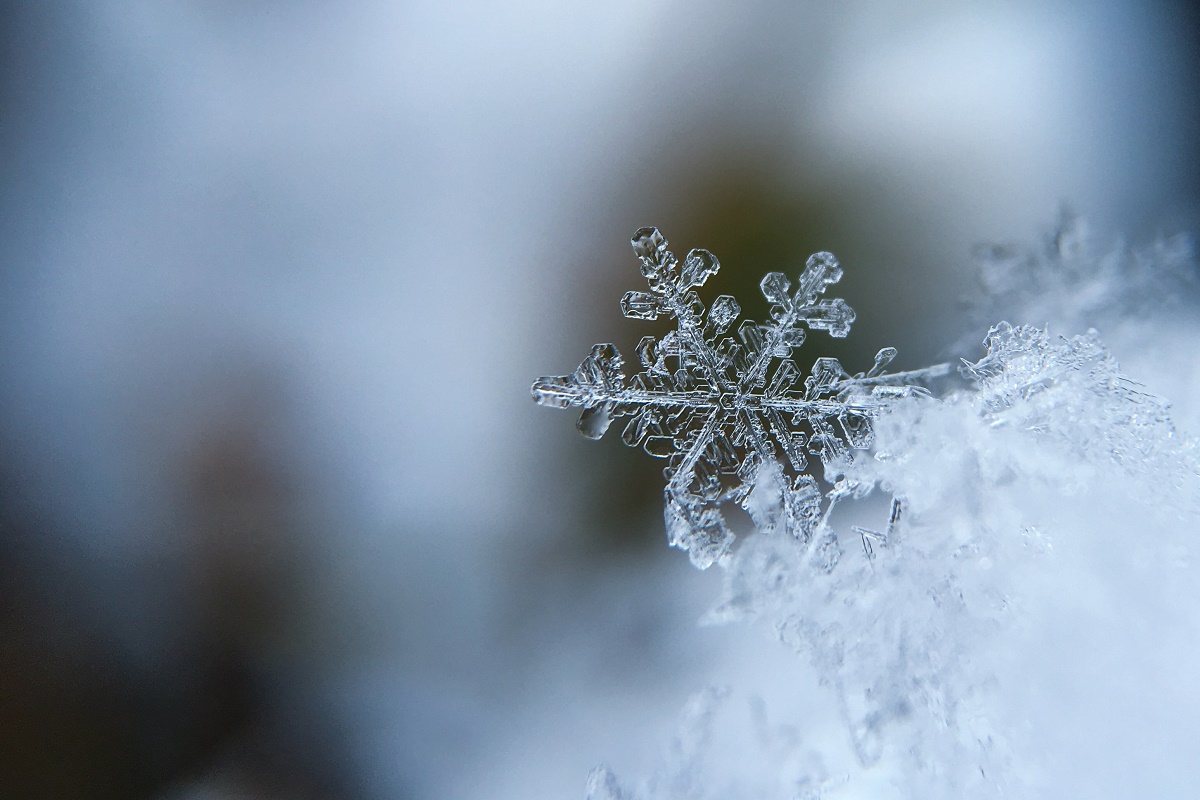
(648, 243)
(698, 267)
(821, 271)
(554, 392)
(774, 286)
(882, 359)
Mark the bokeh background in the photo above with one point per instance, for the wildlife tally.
(277, 516)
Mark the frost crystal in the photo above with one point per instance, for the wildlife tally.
(730, 413)
(1071, 390)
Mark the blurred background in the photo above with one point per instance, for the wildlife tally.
(277, 515)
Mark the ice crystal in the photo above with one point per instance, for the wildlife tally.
(1072, 391)
(730, 412)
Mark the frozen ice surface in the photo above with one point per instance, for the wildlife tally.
(730, 412)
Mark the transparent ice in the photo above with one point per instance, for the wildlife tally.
(730, 412)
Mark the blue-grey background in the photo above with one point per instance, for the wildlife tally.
(278, 516)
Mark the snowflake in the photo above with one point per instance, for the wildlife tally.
(730, 412)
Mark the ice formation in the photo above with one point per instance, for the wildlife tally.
(1040, 464)
(1021, 625)
(1071, 390)
(730, 413)
(1048, 442)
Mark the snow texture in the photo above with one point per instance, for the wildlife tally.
(1076, 281)
(730, 413)
(1020, 627)
(912, 638)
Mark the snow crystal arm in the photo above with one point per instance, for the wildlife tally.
(788, 312)
(673, 292)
